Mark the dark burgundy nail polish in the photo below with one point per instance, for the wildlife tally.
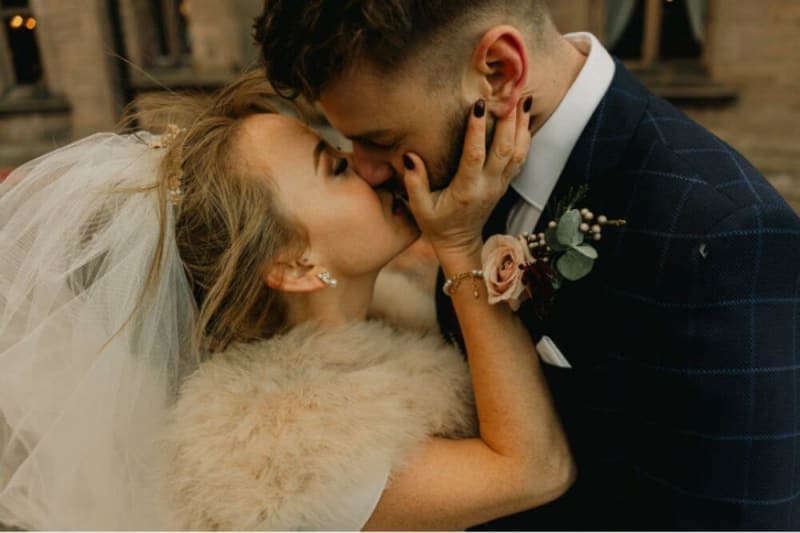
(480, 108)
(528, 103)
(407, 162)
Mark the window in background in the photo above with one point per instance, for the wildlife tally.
(171, 25)
(19, 32)
(683, 25)
(663, 42)
(645, 32)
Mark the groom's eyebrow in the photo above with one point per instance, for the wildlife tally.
(370, 135)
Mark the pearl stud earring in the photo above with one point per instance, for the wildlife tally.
(327, 279)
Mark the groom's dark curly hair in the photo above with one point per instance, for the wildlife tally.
(305, 44)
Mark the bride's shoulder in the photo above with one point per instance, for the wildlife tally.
(344, 369)
(350, 348)
(262, 433)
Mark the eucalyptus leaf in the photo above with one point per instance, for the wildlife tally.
(574, 265)
(586, 250)
(568, 230)
(552, 240)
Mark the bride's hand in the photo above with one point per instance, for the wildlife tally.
(453, 218)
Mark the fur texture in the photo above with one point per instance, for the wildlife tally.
(277, 434)
(404, 302)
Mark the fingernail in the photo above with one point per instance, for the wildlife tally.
(407, 162)
(530, 124)
(480, 108)
(528, 103)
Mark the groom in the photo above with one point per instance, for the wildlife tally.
(675, 365)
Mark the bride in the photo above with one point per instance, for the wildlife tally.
(185, 342)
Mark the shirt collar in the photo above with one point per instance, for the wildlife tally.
(553, 143)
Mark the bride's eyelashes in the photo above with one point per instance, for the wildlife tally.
(340, 165)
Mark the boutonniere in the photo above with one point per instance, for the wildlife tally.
(516, 268)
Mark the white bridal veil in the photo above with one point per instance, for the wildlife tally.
(86, 373)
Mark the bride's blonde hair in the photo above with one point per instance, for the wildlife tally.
(229, 225)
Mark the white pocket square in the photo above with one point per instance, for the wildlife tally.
(550, 354)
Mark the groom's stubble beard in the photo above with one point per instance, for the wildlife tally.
(445, 169)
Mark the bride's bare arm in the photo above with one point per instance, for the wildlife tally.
(521, 459)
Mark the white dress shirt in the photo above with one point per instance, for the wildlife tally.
(553, 143)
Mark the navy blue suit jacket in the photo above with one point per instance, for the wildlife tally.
(683, 404)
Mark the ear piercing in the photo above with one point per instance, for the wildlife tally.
(326, 278)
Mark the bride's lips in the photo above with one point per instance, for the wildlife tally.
(394, 202)
(400, 204)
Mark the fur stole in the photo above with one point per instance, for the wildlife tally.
(279, 434)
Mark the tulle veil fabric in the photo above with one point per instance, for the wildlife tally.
(86, 373)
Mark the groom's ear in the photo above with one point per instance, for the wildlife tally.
(501, 60)
(294, 275)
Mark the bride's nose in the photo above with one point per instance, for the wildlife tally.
(374, 171)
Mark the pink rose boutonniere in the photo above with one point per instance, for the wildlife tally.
(501, 257)
(516, 268)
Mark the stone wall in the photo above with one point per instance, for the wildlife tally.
(214, 34)
(77, 50)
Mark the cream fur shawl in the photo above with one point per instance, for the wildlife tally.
(282, 433)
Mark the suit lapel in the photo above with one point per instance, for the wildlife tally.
(593, 162)
(601, 146)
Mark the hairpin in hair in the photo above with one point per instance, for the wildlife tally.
(176, 189)
(163, 141)
(166, 138)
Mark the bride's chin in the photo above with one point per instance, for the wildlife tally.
(402, 216)
(411, 236)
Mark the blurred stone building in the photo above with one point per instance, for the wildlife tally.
(68, 67)
(732, 65)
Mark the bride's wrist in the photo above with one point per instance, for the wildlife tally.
(455, 262)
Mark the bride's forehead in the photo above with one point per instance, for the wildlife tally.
(280, 131)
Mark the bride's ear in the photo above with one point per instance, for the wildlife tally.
(294, 275)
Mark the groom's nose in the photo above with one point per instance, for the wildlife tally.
(374, 170)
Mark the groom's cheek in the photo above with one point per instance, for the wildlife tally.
(446, 166)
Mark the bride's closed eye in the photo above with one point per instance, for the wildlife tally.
(340, 165)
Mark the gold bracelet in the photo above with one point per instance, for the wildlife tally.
(451, 285)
